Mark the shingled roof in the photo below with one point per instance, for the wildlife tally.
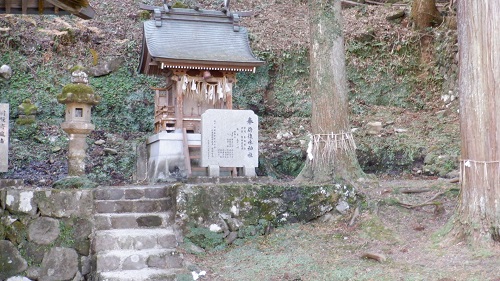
(46, 7)
(186, 38)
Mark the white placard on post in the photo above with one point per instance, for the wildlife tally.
(4, 137)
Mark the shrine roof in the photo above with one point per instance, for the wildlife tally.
(185, 38)
(49, 7)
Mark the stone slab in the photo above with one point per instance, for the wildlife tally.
(166, 155)
(141, 166)
(213, 171)
(20, 201)
(131, 220)
(65, 203)
(11, 183)
(133, 192)
(229, 138)
(146, 274)
(127, 259)
(249, 171)
(4, 137)
(134, 239)
(129, 206)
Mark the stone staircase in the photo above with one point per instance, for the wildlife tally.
(134, 238)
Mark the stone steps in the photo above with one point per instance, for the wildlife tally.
(133, 220)
(134, 238)
(139, 275)
(132, 192)
(132, 206)
(123, 260)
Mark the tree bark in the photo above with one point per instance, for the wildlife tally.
(424, 14)
(478, 214)
(332, 149)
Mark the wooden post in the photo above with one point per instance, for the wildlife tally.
(7, 6)
(24, 6)
(229, 98)
(187, 157)
(179, 107)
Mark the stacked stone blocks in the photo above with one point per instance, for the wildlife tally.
(134, 235)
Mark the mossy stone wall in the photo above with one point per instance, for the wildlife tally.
(42, 227)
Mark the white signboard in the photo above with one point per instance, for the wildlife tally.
(4, 137)
(229, 138)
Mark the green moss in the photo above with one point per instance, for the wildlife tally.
(25, 121)
(204, 238)
(438, 236)
(79, 93)
(66, 235)
(24, 130)
(33, 253)
(27, 107)
(74, 183)
(17, 233)
(261, 208)
(144, 15)
(374, 228)
(178, 4)
(77, 68)
(278, 88)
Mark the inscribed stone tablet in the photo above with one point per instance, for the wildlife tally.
(229, 138)
(4, 137)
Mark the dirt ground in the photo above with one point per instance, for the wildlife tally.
(407, 241)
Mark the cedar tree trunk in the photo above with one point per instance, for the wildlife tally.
(331, 153)
(478, 214)
(425, 14)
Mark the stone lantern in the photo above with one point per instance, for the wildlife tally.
(79, 98)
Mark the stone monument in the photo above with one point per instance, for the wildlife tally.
(79, 98)
(27, 113)
(230, 139)
(4, 137)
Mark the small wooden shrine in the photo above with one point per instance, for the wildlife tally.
(79, 8)
(199, 52)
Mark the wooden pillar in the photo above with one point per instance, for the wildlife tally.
(7, 6)
(24, 6)
(179, 106)
(229, 99)
(231, 78)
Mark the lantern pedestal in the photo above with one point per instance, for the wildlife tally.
(78, 98)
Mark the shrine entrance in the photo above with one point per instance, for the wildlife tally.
(199, 52)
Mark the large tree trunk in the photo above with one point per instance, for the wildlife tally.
(332, 149)
(424, 14)
(478, 214)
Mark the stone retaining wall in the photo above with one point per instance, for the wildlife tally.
(214, 215)
(45, 234)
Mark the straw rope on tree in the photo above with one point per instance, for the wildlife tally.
(325, 147)
(331, 150)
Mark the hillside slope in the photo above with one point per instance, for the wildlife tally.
(416, 104)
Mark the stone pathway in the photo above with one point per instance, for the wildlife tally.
(134, 238)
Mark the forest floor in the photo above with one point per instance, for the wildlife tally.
(407, 243)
